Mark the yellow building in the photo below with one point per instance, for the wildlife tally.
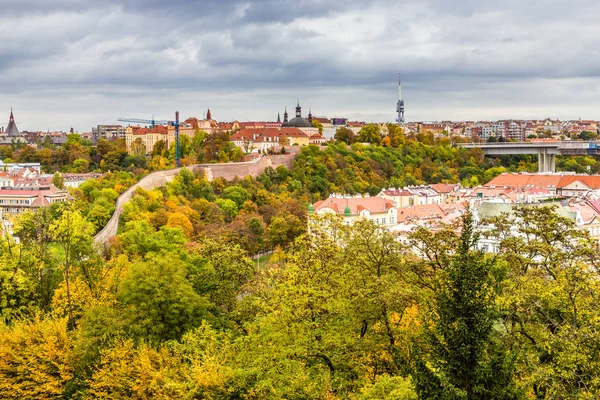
(142, 140)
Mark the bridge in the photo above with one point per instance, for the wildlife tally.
(546, 151)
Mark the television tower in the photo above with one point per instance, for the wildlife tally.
(400, 104)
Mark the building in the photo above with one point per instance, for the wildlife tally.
(262, 139)
(108, 132)
(76, 180)
(299, 122)
(17, 200)
(377, 209)
(142, 140)
(402, 198)
(578, 186)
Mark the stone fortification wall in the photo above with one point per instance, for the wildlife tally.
(253, 168)
(156, 179)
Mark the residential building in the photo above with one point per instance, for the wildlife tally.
(262, 139)
(142, 140)
(17, 200)
(377, 209)
(108, 132)
(76, 180)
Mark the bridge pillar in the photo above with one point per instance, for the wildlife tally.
(546, 162)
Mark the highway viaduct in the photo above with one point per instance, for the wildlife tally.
(546, 151)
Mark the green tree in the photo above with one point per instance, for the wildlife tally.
(157, 302)
(463, 358)
(344, 135)
(369, 134)
(237, 194)
(318, 125)
(58, 180)
(74, 234)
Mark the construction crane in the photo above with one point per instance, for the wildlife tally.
(153, 122)
(150, 122)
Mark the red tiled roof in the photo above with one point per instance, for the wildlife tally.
(591, 181)
(397, 192)
(159, 129)
(420, 212)
(293, 132)
(443, 187)
(526, 180)
(356, 204)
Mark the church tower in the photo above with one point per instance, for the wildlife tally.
(11, 129)
(309, 115)
(285, 117)
(208, 116)
(298, 109)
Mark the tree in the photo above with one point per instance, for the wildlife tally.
(179, 220)
(284, 140)
(58, 180)
(462, 358)
(586, 135)
(369, 134)
(36, 359)
(318, 125)
(344, 135)
(138, 147)
(159, 148)
(549, 302)
(229, 207)
(74, 234)
(157, 302)
(237, 194)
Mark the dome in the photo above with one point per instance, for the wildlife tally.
(347, 212)
(299, 122)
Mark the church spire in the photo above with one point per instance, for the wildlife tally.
(278, 117)
(11, 129)
(298, 109)
(309, 114)
(285, 116)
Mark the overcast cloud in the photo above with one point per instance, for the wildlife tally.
(78, 63)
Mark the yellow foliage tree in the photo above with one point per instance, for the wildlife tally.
(34, 359)
(179, 220)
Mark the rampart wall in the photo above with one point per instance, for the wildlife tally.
(226, 171)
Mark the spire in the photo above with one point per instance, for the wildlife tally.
(285, 115)
(309, 114)
(11, 129)
(278, 117)
(298, 109)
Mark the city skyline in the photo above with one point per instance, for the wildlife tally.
(78, 63)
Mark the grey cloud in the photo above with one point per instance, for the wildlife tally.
(465, 53)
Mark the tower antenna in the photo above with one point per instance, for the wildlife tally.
(400, 104)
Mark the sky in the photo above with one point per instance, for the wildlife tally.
(79, 63)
